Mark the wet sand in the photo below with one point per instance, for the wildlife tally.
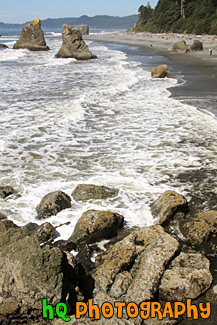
(198, 69)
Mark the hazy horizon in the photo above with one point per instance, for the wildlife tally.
(15, 12)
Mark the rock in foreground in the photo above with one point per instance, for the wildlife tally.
(52, 203)
(73, 46)
(160, 72)
(28, 274)
(187, 278)
(95, 225)
(84, 192)
(167, 205)
(32, 37)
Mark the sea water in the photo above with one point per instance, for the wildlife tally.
(103, 122)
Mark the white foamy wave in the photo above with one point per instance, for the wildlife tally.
(12, 55)
(54, 61)
(53, 34)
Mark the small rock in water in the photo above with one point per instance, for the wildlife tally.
(6, 191)
(96, 225)
(52, 203)
(84, 192)
(160, 72)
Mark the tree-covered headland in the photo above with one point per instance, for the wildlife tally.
(179, 16)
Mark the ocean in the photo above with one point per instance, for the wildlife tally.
(103, 122)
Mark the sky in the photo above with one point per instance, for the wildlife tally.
(21, 11)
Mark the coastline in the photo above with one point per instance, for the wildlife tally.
(198, 69)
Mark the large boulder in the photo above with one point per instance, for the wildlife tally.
(167, 205)
(84, 192)
(84, 30)
(160, 72)
(5, 191)
(95, 225)
(132, 268)
(52, 203)
(180, 47)
(200, 227)
(187, 278)
(197, 46)
(73, 46)
(32, 37)
(30, 273)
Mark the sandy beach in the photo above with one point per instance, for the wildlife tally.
(199, 69)
(162, 42)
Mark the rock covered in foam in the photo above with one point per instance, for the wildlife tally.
(32, 37)
(73, 45)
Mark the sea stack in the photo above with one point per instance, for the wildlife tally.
(73, 45)
(84, 29)
(32, 37)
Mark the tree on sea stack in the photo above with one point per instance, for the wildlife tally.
(73, 45)
(32, 37)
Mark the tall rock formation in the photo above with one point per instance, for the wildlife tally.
(73, 46)
(84, 29)
(32, 37)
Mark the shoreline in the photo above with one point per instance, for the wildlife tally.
(198, 69)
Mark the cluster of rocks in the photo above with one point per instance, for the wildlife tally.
(73, 46)
(169, 261)
(182, 47)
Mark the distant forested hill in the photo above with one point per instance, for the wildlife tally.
(96, 22)
(179, 16)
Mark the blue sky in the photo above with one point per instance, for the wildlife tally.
(20, 11)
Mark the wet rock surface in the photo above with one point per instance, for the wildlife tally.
(6, 191)
(84, 192)
(95, 225)
(52, 203)
(167, 205)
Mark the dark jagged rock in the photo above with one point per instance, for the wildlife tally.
(44, 233)
(32, 37)
(84, 192)
(167, 205)
(6, 191)
(73, 46)
(84, 30)
(95, 225)
(52, 203)
(197, 46)
(3, 46)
